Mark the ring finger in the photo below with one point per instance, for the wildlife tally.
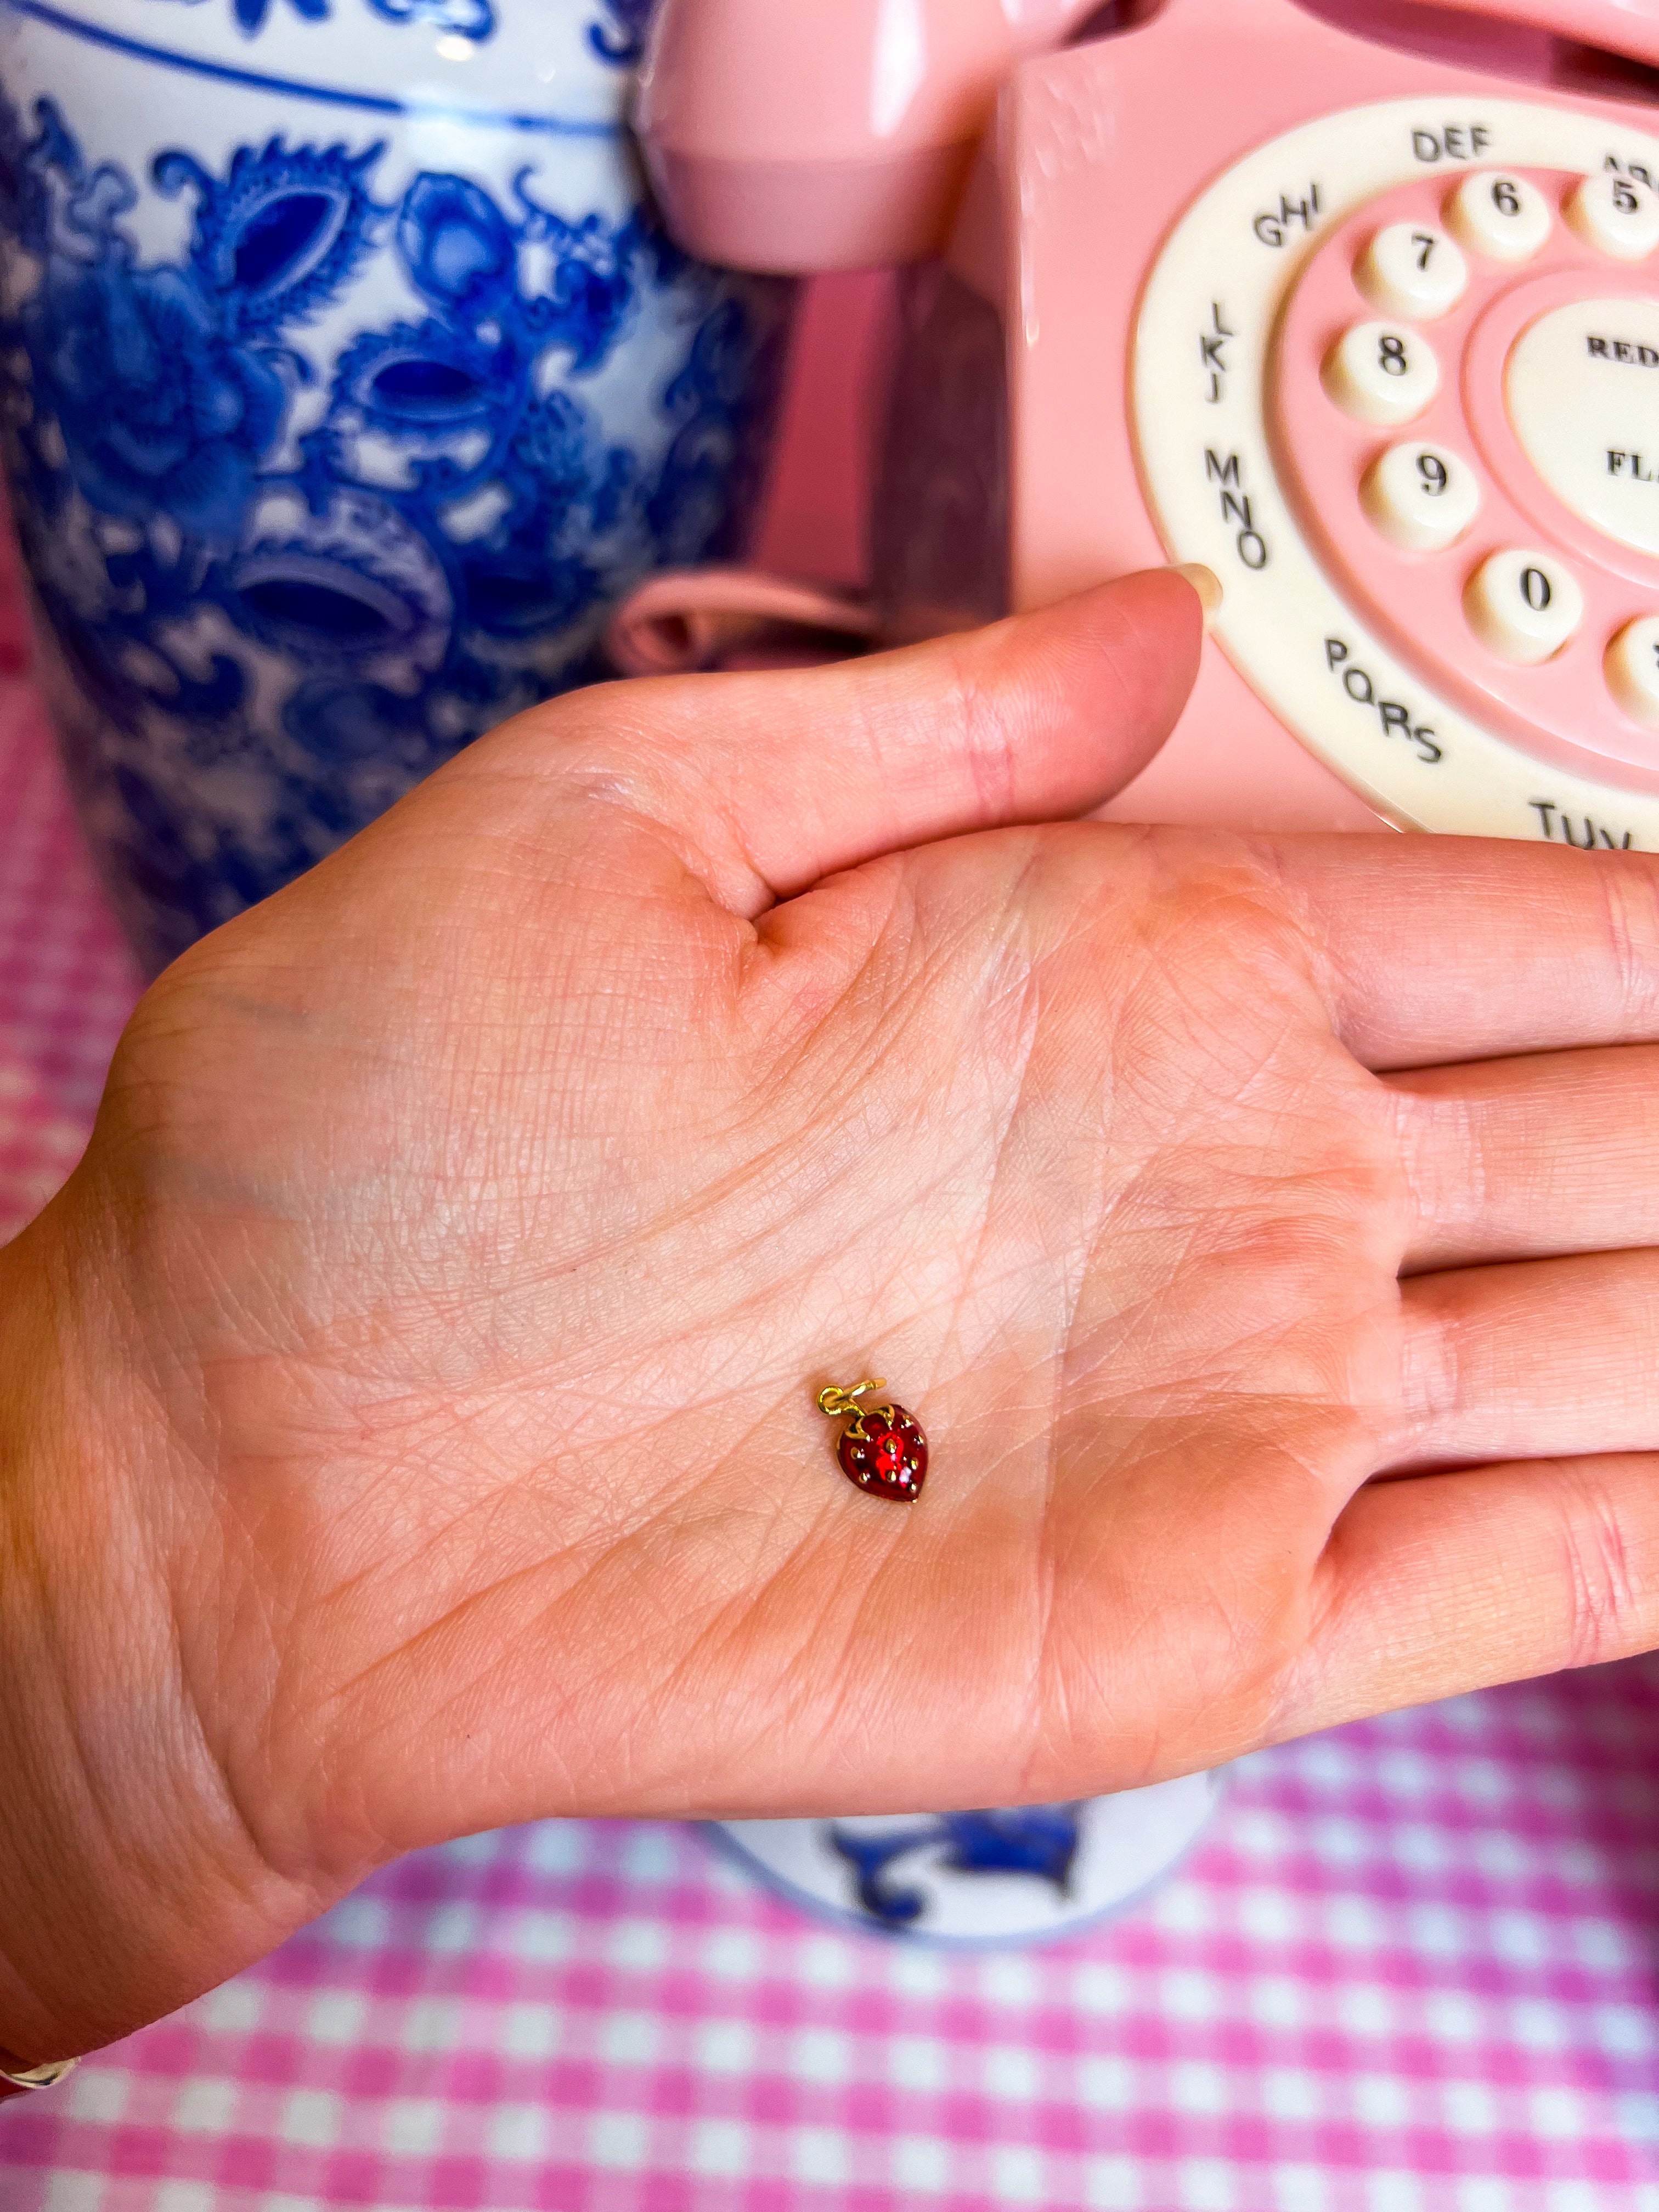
(1531, 1159)
(1554, 1358)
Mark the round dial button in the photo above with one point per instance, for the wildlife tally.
(1505, 218)
(1632, 670)
(1583, 393)
(1422, 498)
(1379, 373)
(1412, 270)
(1524, 606)
(1616, 215)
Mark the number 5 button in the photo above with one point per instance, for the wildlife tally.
(1524, 606)
(1377, 374)
(1616, 215)
(1422, 498)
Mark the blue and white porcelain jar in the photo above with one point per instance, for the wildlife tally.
(347, 382)
(1033, 1876)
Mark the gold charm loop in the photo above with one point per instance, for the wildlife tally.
(838, 1403)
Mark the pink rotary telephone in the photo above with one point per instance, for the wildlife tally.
(1357, 303)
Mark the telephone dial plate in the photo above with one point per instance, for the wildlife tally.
(1305, 398)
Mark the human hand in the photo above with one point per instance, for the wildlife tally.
(406, 1413)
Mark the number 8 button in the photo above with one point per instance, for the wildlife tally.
(1524, 606)
(1377, 374)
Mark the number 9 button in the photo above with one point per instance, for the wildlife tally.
(1422, 498)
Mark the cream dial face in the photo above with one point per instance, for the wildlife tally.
(1204, 350)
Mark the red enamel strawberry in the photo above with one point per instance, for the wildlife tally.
(882, 1449)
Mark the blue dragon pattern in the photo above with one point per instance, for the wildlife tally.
(1039, 1841)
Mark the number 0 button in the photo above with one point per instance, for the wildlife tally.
(1505, 218)
(1632, 670)
(1378, 373)
(1524, 606)
(1411, 269)
(1422, 498)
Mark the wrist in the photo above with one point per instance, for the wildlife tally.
(128, 1883)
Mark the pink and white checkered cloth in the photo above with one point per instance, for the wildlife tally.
(1415, 1967)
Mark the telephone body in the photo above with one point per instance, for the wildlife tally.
(1357, 304)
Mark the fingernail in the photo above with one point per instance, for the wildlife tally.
(1206, 582)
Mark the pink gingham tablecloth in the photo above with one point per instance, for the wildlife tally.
(1415, 1967)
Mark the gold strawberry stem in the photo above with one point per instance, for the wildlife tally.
(838, 1403)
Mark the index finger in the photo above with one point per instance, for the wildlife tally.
(1438, 949)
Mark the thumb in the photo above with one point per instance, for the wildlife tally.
(769, 782)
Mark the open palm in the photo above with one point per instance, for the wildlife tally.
(467, 1233)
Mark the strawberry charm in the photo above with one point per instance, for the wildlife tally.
(882, 1449)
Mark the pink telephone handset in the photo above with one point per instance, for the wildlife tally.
(1357, 304)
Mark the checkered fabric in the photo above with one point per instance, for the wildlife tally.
(1415, 1967)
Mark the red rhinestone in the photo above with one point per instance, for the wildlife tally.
(884, 1452)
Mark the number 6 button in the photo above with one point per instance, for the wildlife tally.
(1377, 374)
(1524, 606)
(1422, 498)
(1505, 218)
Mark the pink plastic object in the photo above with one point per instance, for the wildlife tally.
(1623, 26)
(693, 618)
(1095, 154)
(784, 134)
(803, 590)
(1113, 140)
(813, 134)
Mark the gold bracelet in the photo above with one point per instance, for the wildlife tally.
(34, 2077)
